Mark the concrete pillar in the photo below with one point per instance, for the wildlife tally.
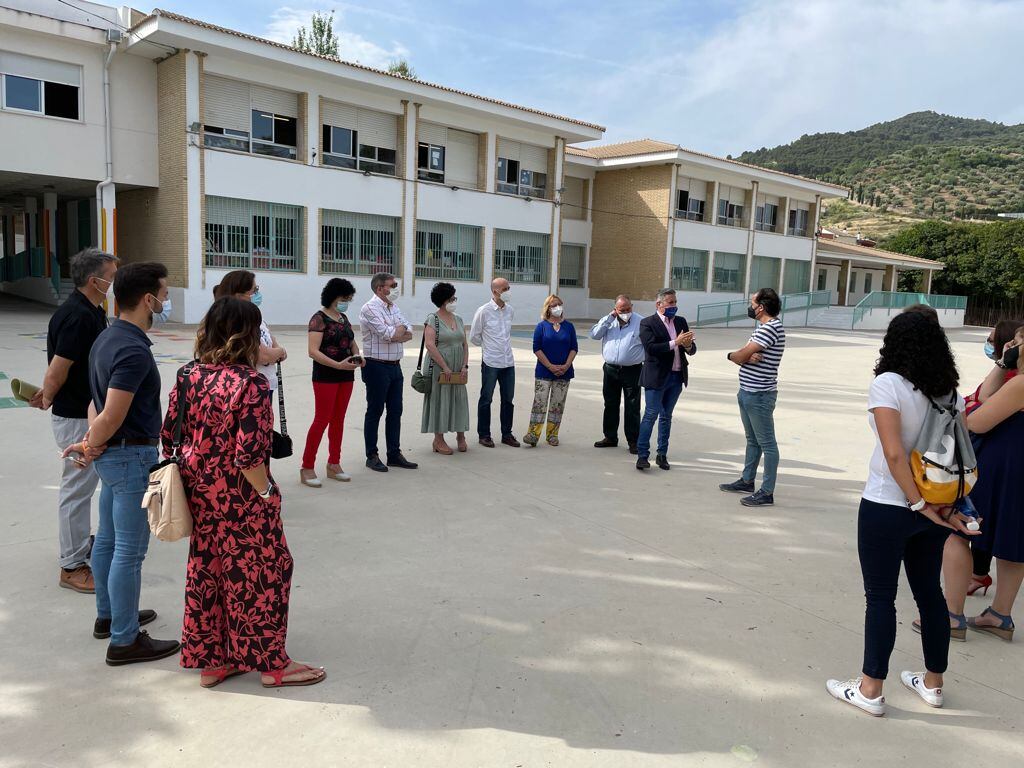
(844, 281)
(814, 241)
(928, 281)
(670, 244)
(31, 221)
(408, 268)
(751, 206)
(783, 223)
(889, 279)
(50, 230)
(555, 182)
(108, 220)
(711, 204)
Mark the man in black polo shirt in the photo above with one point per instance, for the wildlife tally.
(122, 440)
(73, 329)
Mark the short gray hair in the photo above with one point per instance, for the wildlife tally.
(622, 296)
(89, 263)
(666, 292)
(381, 278)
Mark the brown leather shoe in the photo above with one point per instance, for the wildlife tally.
(486, 442)
(510, 441)
(80, 580)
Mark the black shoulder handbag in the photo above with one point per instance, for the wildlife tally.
(423, 382)
(280, 442)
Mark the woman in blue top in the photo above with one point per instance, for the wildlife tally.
(554, 344)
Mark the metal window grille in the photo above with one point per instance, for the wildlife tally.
(357, 243)
(729, 272)
(447, 251)
(798, 276)
(572, 262)
(764, 273)
(689, 269)
(249, 234)
(521, 257)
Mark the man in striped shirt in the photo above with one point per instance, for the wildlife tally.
(385, 330)
(759, 376)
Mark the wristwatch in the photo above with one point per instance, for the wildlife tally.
(919, 505)
(728, 356)
(270, 490)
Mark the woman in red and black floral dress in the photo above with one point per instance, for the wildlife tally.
(239, 567)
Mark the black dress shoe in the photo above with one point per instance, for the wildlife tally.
(486, 442)
(144, 648)
(662, 461)
(643, 463)
(510, 441)
(633, 449)
(606, 443)
(740, 486)
(398, 460)
(101, 629)
(374, 463)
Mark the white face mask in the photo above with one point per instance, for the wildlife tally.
(451, 305)
(557, 311)
(505, 295)
(393, 294)
(624, 316)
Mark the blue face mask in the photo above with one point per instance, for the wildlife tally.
(341, 306)
(670, 312)
(990, 351)
(161, 317)
(256, 298)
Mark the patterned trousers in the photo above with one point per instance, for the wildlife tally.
(548, 401)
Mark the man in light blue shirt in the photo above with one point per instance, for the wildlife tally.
(619, 333)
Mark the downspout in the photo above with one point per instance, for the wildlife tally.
(108, 178)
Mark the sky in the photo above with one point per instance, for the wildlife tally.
(718, 76)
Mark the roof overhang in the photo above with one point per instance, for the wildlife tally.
(177, 32)
(876, 256)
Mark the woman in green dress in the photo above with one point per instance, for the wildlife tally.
(445, 406)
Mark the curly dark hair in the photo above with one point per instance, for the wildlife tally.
(336, 288)
(441, 293)
(916, 348)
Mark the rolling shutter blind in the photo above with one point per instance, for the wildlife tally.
(226, 103)
(768, 200)
(737, 195)
(275, 102)
(461, 158)
(377, 129)
(532, 158)
(40, 69)
(432, 133)
(340, 115)
(508, 149)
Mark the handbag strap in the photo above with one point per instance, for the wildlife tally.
(280, 400)
(437, 334)
(184, 373)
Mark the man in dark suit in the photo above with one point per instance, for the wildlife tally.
(665, 337)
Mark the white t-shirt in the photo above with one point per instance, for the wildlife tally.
(269, 371)
(890, 390)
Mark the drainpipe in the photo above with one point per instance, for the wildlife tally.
(108, 178)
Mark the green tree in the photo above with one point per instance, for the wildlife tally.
(320, 38)
(402, 68)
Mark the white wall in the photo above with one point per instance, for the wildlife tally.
(857, 291)
(575, 231)
(879, 319)
(705, 237)
(782, 246)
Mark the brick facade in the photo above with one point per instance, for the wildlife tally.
(628, 251)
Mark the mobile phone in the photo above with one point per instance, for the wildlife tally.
(75, 457)
(356, 359)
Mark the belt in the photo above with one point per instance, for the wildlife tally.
(620, 367)
(133, 441)
(384, 362)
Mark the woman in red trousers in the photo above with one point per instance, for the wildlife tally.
(332, 345)
(239, 574)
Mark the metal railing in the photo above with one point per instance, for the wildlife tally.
(890, 300)
(725, 312)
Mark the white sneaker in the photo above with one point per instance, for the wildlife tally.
(915, 682)
(849, 691)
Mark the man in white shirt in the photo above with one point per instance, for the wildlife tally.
(385, 330)
(492, 331)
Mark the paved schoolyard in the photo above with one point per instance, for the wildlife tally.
(531, 607)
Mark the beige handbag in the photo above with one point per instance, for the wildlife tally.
(165, 501)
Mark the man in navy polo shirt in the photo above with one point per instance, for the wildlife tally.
(122, 441)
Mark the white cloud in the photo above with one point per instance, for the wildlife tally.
(285, 22)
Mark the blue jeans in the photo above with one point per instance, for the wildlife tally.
(505, 378)
(757, 411)
(658, 406)
(383, 382)
(122, 538)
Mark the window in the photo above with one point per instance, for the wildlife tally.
(572, 263)
(357, 243)
(521, 257)
(731, 206)
(447, 251)
(226, 138)
(764, 273)
(250, 118)
(358, 138)
(798, 222)
(798, 276)
(766, 217)
(822, 279)
(853, 282)
(430, 162)
(274, 135)
(247, 234)
(690, 199)
(522, 169)
(43, 97)
(377, 159)
(729, 272)
(339, 147)
(867, 282)
(689, 269)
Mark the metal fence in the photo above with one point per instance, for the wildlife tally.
(447, 251)
(890, 300)
(357, 243)
(249, 234)
(521, 257)
(724, 312)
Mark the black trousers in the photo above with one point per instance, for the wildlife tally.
(621, 382)
(887, 536)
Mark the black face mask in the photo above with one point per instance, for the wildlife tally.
(1011, 356)
(752, 313)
